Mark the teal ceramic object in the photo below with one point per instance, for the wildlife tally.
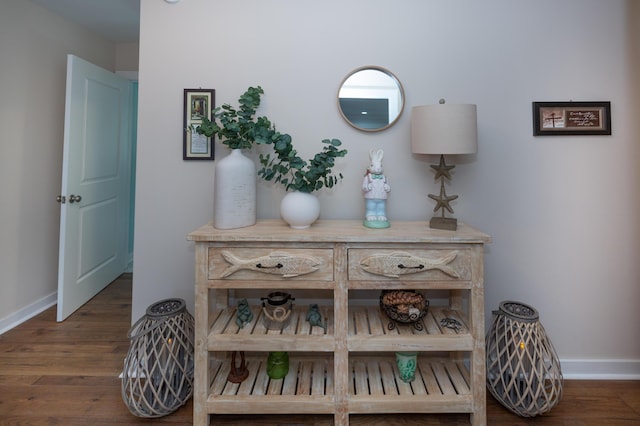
(406, 362)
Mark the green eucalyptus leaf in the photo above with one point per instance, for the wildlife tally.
(237, 128)
(294, 173)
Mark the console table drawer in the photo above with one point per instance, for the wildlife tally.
(239, 263)
(409, 265)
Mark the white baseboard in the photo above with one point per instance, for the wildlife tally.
(600, 369)
(28, 312)
(129, 267)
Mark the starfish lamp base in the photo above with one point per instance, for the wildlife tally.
(443, 200)
(448, 223)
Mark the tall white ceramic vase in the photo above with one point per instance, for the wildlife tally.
(234, 198)
(299, 209)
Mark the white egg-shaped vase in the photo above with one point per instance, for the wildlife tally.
(300, 209)
(234, 198)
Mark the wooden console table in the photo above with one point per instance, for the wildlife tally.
(349, 367)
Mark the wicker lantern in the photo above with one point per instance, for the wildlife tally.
(157, 378)
(523, 370)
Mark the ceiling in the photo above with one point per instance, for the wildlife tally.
(116, 20)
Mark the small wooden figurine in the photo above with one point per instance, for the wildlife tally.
(238, 374)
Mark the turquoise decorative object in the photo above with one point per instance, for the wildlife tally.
(407, 362)
(243, 314)
(277, 365)
(315, 317)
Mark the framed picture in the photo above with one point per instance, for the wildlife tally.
(198, 103)
(571, 118)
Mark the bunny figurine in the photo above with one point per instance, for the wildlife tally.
(376, 188)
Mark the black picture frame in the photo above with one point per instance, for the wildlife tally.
(198, 103)
(571, 118)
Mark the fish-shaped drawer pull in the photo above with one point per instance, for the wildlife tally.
(393, 265)
(279, 263)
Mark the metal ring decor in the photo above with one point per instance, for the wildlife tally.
(279, 314)
(157, 378)
(277, 308)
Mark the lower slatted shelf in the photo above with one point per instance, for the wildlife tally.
(307, 388)
(440, 385)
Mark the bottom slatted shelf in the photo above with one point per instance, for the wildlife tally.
(440, 385)
(307, 388)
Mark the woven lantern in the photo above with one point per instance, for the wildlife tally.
(157, 378)
(523, 370)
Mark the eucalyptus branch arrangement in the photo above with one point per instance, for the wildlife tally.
(238, 128)
(297, 174)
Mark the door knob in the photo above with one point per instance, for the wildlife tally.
(61, 199)
(74, 198)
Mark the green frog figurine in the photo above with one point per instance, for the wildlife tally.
(243, 314)
(277, 364)
(315, 317)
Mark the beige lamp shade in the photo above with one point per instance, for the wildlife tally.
(444, 129)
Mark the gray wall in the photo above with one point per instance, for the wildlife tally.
(562, 210)
(34, 44)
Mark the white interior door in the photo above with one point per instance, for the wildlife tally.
(95, 183)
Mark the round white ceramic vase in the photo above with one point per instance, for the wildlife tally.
(299, 209)
(234, 198)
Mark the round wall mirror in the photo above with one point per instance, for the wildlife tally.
(371, 98)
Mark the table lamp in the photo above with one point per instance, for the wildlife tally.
(444, 129)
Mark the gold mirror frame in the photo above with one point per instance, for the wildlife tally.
(371, 98)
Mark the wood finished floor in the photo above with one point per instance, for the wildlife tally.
(67, 374)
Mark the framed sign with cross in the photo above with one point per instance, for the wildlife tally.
(571, 118)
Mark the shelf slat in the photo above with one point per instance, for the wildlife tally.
(307, 388)
(369, 331)
(441, 385)
(297, 335)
